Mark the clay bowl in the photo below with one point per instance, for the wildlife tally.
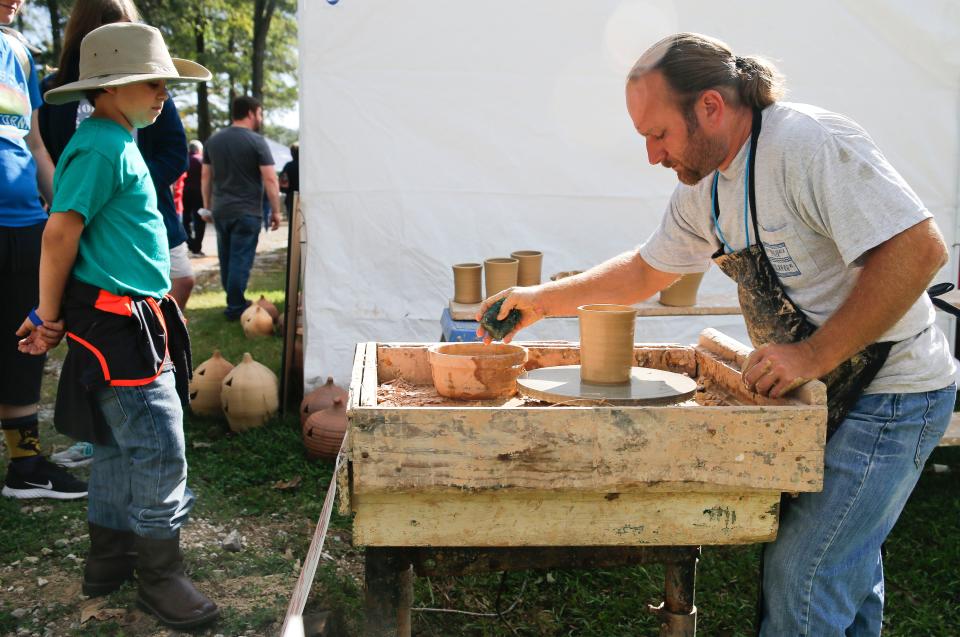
(474, 371)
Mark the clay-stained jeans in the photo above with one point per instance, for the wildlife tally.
(823, 576)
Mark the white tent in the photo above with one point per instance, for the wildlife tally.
(440, 131)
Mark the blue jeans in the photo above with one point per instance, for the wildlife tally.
(823, 576)
(138, 482)
(236, 248)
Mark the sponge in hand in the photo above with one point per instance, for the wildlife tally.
(495, 328)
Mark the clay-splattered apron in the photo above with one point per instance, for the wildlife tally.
(771, 316)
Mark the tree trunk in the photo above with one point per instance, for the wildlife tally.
(203, 102)
(54, 7)
(262, 14)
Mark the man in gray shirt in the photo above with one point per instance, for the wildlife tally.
(237, 168)
(832, 252)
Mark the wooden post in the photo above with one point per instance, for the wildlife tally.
(291, 300)
(388, 580)
(678, 613)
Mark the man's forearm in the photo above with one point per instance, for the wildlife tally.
(893, 277)
(273, 192)
(206, 186)
(624, 279)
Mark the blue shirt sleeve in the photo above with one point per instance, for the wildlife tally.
(85, 182)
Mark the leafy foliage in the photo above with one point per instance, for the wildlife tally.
(216, 33)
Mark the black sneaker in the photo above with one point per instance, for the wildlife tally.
(41, 479)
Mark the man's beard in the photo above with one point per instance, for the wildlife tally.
(701, 157)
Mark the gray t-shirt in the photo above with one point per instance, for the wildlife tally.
(825, 196)
(236, 154)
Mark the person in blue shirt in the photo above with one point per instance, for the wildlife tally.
(25, 174)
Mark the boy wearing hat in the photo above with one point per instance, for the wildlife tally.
(104, 269)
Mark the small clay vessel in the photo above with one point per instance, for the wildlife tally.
(606, 343)
(531, 262)
(205, 385)
(500, 274)
(467, 279)
(683, 291)
(321, 398)
(324, 430)
(474, 371)
(249, 395)
(256, 322)
(269, 307)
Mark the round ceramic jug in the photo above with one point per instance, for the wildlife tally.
(205, 385)
(256, 322)
(269, 307)
(249, 395)
(324, 430)
(321, 398)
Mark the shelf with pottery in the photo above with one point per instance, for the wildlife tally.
(707, 304)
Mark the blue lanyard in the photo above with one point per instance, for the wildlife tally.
(746, 203)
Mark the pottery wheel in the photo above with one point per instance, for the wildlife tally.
(646, 387)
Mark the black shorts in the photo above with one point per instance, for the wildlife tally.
(20, 374)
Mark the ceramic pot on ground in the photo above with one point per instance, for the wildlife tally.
(205, 385)
(683, 291)
(321, 398)
(474, 371)
(467, 278)
(256, 322)
(500, 273)
(324, 430)
(250, 395)
(270, 308)
(528, 272)
(606, 343)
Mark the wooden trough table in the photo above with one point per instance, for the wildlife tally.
(440, 487)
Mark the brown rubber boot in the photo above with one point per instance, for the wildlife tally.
(110, 562)
(165, 590)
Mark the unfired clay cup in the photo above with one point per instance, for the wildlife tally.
(530, 264)
(606, 343)
(467, 279)
(500, 274)
(683, 291)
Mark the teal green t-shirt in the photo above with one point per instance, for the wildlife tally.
(102, 175)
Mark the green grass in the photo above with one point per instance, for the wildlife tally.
(233, 476)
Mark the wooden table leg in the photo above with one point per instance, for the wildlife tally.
(678, 613)
(388, 580)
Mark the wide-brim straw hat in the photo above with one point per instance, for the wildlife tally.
(124, 53)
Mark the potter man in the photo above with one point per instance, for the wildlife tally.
(832, 252)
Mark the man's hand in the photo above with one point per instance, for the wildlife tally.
(39, 340)
(775, 370)
(274, 220)
(526, 300)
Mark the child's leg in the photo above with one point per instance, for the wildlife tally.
(147, 423)
(109, 485)
(111, 559)
(29, 475)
